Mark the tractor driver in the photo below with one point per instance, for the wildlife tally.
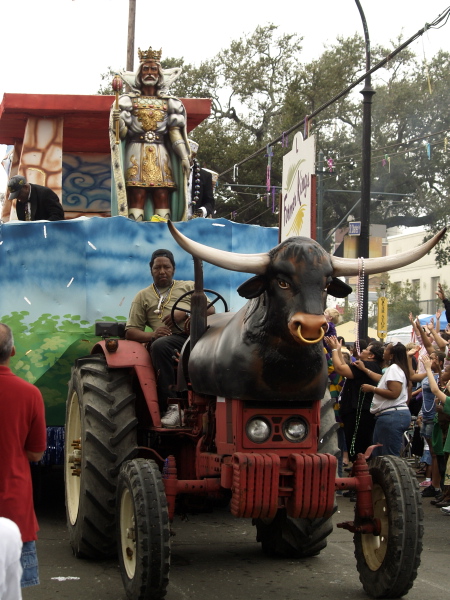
(152, 307)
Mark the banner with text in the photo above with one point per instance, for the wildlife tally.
(298, 167)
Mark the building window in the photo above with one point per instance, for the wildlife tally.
(434, 286)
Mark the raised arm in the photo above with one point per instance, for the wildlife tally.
(438, 319)
(441, 295)
(426, 361)
(415, 377)
(423, 336)
(340, 366)
(442, 344)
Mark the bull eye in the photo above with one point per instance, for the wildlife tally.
(284, 285)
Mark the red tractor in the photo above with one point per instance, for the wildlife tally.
(258, 430)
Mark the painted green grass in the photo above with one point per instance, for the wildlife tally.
(46, 350)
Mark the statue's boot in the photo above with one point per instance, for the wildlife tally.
(161, 214)
(136, 214)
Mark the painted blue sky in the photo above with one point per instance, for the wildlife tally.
(94, 267)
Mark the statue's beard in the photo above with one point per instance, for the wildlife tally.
(149, 80)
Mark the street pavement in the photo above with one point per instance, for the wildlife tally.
(216, 557)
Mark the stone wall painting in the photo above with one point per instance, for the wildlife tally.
(86, 182)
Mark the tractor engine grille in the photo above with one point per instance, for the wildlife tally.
(261, 485)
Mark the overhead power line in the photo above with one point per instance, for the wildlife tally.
(441, 20)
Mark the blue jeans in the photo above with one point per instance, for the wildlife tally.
(29, 561)
(389, 429)
(426, 430)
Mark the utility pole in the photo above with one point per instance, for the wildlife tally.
(319, 206)
(367, 93)
(131, 28)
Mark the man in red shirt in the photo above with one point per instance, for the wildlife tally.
(23, 439)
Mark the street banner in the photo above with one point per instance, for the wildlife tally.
(296, 200)
(382, 317)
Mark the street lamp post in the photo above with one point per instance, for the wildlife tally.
(367, 93)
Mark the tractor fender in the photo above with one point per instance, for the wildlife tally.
(134, 355)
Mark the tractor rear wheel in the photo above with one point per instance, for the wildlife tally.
(388, 563)
(143, 530)
(300, 538)
(100, 434)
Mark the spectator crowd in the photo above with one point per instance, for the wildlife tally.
(396, 398)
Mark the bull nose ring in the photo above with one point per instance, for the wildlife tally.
(304, 340)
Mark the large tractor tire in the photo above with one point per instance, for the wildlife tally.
(388, 563)
(143, 530)
(300, 538)
(100, 435)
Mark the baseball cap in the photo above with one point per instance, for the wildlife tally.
(15, 184)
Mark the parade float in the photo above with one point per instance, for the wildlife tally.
(59, 278)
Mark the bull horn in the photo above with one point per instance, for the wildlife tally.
(244, 263)
(351, 266)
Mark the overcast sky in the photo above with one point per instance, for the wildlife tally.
(62, 46)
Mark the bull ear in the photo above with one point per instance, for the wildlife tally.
(252, 288)
(338, 288)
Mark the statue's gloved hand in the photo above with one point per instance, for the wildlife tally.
(200, 212)
(185, 165)
(116, 114)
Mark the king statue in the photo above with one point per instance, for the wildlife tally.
(149, 146)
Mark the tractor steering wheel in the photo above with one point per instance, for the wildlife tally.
(175, 306)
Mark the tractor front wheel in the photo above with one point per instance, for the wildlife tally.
(388, 563)
(292, 538)
(101, 428)
(143, 530)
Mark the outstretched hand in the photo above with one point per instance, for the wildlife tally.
(440, 293)
(426, 361)
(332, 342)
(413, 350)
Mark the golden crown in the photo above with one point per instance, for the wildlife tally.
(149, 54)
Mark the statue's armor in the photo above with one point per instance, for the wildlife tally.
(147, 121)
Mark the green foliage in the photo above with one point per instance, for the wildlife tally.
(402, 300)
(106, 78)
(349, 312)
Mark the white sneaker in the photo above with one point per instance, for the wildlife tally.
(445, 510)
(172, 416)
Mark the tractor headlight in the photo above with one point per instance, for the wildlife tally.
(295, 429)
(258, 430)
